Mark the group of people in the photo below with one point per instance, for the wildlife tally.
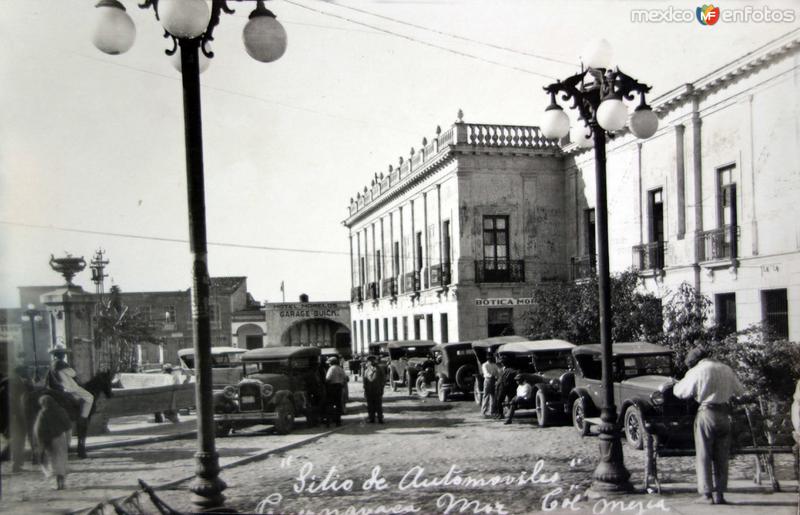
(503, 385)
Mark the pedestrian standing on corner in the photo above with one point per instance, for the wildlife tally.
(712, 384)
(335, 380)
(506, 386)
(490, 372)
(374, 380)
(53, 432)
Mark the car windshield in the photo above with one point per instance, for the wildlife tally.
(552, 359)
(410, 352)
(379, 351)
(226, 360)
(277, 366)
(654, 364)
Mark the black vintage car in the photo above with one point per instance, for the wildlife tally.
(548, 366)
(407, 358)
(455, 369)
(643, 381)
(279, 384)
(482, 349)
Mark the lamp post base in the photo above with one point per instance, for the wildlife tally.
(610, 476)
(207, 487)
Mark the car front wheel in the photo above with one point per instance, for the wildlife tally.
(285, 417)
(542, 414)
(423, 388)
(579, 416)
(634, 428)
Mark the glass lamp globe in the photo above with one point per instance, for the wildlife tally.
(264, 37)
(202, 63)
(580, 135)
(184, 18)
(643, 122)
(597, 54)
(555, 123)
(612, 114)
(114, 31)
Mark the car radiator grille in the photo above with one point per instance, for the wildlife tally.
(249, 397)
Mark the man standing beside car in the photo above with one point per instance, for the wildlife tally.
(335, 380)
(712, 384)
(490, 372)
(374, 380)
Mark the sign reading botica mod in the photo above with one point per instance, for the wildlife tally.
(523, 301)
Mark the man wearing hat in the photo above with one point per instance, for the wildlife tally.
(374, 380)
(61, 377)
(712, 384)
(335, 379)
(523, 396)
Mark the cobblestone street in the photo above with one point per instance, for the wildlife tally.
(421, 442)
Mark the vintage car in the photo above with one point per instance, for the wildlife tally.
(325, 354)
(381, 351)
(226, 365)
(482, 349)
(547, 365)
(642, 375)
(279, 384)
(455, 370)
(407, 358)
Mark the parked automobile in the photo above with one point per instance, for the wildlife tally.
(455, 369)
(548, 366)
(642, 375)
(325, 354)
(407, 358)
(482, 349)
(226, 365)
(279, 384)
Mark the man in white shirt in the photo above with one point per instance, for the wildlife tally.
(524, 395)
(490, 372)
(712, 384)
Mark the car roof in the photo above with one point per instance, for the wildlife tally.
(329, 351)
(534, 346)
(402, 344)
(623, 349)
(379, 344)
(214, 350)
(449, 345)
(280, 353)
(498, 340)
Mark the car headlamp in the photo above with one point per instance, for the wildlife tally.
(657, 398)
(266, 390)
(229, 392)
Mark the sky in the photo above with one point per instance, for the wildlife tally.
(92, 150)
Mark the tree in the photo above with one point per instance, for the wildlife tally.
(119, 330)
(570, 311)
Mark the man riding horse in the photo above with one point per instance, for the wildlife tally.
(61, 377)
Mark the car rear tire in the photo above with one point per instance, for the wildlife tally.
(465, 376)
(542, 413)
(285, 417)
(477, 392)
(634, 428)
(579, 416)
(221, 430)
(423, 388)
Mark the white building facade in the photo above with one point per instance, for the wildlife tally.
(451, 243)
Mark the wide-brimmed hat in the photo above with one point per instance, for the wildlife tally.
(372, 357)
(519, 377)
(59, 348)
(333, 360)
(166, 366)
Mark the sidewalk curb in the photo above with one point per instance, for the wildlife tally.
(244, 461)
(140, 441)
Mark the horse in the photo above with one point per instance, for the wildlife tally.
(99, 384)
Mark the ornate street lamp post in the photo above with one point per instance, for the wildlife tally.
(190, 25)
(597, 94)
(33, 315)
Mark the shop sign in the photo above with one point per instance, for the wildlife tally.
(519, 301)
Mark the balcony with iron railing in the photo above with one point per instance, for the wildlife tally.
(583, 267)
(649, 257)
(440, 275)
(372, 291)
(500, 271)
(411, 283)
(389, 287)
(718, 245)
(356, 294)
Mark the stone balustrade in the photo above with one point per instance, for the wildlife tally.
(460, 133)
